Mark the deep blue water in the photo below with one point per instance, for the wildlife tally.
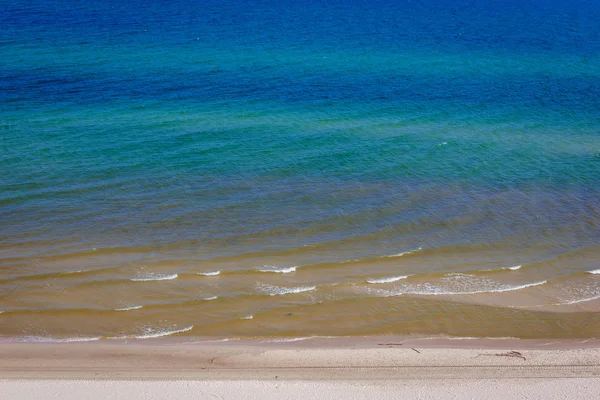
(222, 128)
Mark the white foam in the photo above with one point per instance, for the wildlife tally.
(156, 334)
(128, 308)
(287, 340)
(388, 256)
(513, 268)
(42, 339)
(579, 301)
(595, 271)
(277, 290)
(79, 339)
(387, 280)
(436, 291)
(211, 298)
(405, 252)
(213, 341)
(498, 290)
(279, 270)
(76, 272)
(212, 273)
(155, 278)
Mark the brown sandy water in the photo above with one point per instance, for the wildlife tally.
(106, 293)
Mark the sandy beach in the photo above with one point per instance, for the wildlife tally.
(242, 199)
(318, 368)
(538, 388)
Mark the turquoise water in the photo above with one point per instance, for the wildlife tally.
(293, 133)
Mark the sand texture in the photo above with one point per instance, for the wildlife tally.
(369, 369)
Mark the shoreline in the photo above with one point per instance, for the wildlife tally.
(312, 342)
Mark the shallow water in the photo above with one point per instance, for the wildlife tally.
(327, 169)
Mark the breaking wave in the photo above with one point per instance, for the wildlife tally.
(595, 271)
(279, 270)
(287, 340)
(513, 268)
(430, 290)
(387, 280)
(277, 290)
(154, 278)
(128, 308)
(579, 301)
(405, 253)
(212, 273)
(43, 339)
(150, 333)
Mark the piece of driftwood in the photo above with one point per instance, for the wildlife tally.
(515, 354)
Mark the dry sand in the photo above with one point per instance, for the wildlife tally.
(350, 369)
(574, 388)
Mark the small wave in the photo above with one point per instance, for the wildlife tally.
(377, 258)
(387, 280)
(513, 268)
(79, 271)
(43, 339)
(45, 275)
(211, 298)
(277, 290)
(156, 334)
(155, 278)
(579, 301)
(128, 308)
(500, 289)
(212, 273)
(436, 291)
(287, 340)
(213, 341)
(595, 271)
(79, 339)
(453, 276)
(279, 270)
(405, 253)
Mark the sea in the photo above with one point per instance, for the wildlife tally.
(279, 170)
